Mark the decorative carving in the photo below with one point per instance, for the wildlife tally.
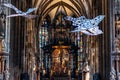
(116, 44)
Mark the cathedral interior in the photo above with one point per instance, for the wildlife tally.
(40, 44)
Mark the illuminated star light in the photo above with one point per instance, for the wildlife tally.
(19, 12)
(86, 26)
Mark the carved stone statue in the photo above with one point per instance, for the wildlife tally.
(113, 74)
(3, 44)
(116, 43)
(2, 25)
(7, 74)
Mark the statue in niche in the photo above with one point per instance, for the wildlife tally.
(60, 21)
(3, 44)
(2, 31)
(2, 25)
(116, 44)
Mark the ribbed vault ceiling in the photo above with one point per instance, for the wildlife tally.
(68, 7)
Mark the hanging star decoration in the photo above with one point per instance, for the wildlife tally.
(19, 12)
(86, 26)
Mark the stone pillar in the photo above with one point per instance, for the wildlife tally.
(104, 40)
(6, 39)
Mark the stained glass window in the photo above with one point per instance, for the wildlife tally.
(43, 36)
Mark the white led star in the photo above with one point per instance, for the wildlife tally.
(87, 26)
(19, 12)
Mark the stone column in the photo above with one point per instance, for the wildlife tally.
(6, 39)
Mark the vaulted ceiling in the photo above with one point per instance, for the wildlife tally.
(67, 7)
